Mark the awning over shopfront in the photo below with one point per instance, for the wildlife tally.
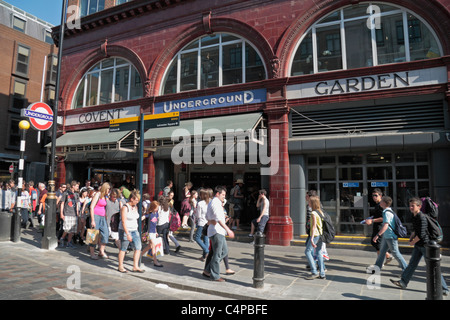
(98, 136)
(243, 122)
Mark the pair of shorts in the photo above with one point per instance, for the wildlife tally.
(70, 224)
(102, 226)
(135, 238)
(152, 236)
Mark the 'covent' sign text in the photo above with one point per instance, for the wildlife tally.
(384, 81)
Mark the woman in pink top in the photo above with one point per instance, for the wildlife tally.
(98, 220)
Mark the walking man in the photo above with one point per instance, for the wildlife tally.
(390, 239)
(69, 213)
(419, 237)
(217, 231)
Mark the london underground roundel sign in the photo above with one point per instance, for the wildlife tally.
(40, 115)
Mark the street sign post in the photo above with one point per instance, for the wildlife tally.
(170, 119)
(40, 115)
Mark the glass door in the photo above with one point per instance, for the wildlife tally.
(345, 184)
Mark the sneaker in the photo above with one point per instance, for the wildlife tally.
(250, 235)
(388, 260)
(70, 245)
(445, 293)
(312, 276)
(398, 283)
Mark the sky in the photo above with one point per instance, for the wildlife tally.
(47, 10)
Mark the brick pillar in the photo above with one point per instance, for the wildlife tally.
(279, 230)
(149, 168)
(60, 172)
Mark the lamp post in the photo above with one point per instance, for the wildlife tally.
(49, 240)
(24, 125)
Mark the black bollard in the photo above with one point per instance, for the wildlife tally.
(258, 270)
(433, 261)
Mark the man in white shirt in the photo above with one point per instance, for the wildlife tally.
(217, 231)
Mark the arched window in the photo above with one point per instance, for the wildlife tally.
(364, 35)
(212, 61)
(110, 80)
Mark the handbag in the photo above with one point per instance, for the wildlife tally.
(158, 248)
(92, 236)
(144, 237)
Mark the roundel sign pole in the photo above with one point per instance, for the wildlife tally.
(40, 115)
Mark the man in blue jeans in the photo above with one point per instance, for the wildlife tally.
(390, 239)
(418, 239)
(217, 230)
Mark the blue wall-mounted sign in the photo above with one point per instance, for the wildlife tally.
(350, 184)
(213, 101)
(382, 184)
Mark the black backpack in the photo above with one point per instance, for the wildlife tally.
(328, 232)
(430, 208)
(434, 230)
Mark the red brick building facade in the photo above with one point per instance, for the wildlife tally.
(302, 68)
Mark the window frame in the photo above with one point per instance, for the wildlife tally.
(98, 68)
(374, 36)
(17, 62)
(21, 18)
(199, 49)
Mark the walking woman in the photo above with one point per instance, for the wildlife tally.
(315, 240)
(98, 220)
(200, 215)
(128, 232)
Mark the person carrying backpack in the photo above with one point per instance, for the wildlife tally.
(390, 238)
(419, 237)
(315, 240)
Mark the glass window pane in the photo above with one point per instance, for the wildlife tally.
(389, 39)
(79, 95)
(350, 159)
(210, 68)
(422, 43)
(210, 40)
(106, 86)
(19, 24)
(328, 194)
(326, 160)
(356, 11)
(107, 63)
(135, 85)
(170, 85)
(254, 70)
(405, 172)
(312, 174)
(303, 59)
(358, 44)
(379, 158)
(232, 64)
(92, 86)
(334, 16)
(404, 157)
(329, 48)
(379, 173)
(405, 191)
(121, 83)
(228, 37)
(350, 174)
(189, 64)
(422, 172)
(327, 174)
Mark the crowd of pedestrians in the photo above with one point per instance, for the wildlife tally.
(114, 212)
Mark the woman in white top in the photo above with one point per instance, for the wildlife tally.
(128, 232)
(200, 217)
(26, 206)
(263, 205)
(162, 226)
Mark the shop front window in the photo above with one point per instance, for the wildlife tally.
(365, 35)
(345, 184)
(213, 61)
(111, 80)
